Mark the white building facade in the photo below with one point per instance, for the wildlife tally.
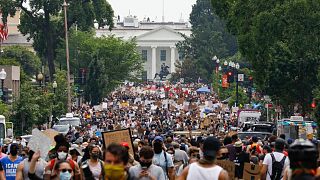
(156, 42)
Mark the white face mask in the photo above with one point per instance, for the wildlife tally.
(62, 155)
(65, 175)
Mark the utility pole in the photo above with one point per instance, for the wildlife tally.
(67, 54)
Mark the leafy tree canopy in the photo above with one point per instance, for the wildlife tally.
(279, 38)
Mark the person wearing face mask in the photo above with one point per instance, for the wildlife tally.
(64, 170)
(10, 163)
(116, 158)
(61, 149)
(162, 158)
(92, 169)
(145, 170)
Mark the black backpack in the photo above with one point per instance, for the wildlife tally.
(277, 168)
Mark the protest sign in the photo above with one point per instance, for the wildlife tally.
(51, 134)
(251, 171)
(180, 101)
(228, 166)
(118, 136)
(39, 141)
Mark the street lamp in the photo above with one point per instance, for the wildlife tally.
(3, 76)
(237, 67)
(40, 78)
(54, 86)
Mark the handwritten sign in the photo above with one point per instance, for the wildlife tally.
(251, 171)
(118, 136)
(39, 141)
(51, 134)
(228, 166)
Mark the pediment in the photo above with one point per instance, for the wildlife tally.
(162, 33)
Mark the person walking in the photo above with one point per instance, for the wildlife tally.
(275, 163)
(145, 170)
(206, 168)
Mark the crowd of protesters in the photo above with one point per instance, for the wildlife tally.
(160, 152)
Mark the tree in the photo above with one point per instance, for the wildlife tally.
(186, 70)
(109, 61)
(209, 38)
(23, 57)
(279, 38)
(43, 21)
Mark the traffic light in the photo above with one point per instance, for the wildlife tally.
(7, 96)
(230, 77)
(313, 104)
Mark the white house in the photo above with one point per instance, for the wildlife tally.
(156, 41)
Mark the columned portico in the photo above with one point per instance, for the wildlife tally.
(173, 52)
(153, 61)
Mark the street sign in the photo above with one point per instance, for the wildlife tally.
(240, 77)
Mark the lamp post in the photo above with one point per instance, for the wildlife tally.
(67, 54)
(40, 78)
(237, 66)
(216, 60)
(54, 86)
(3, 76)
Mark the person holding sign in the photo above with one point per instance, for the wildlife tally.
(206, 167)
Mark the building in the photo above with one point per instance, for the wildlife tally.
(12, 80)
(15, 37)
(156, 41)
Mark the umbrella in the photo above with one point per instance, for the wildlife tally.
(203, 90)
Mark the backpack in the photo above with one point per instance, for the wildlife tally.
(277, 168)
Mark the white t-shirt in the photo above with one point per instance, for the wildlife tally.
(268, 161)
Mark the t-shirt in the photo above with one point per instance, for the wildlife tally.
(154, 171)
(268, 161)
(9, 167)
(159, 160)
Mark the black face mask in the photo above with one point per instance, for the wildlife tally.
(145, 164)
(95, 155)
(13, 152)
(157, 147)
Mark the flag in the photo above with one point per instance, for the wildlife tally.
(4, 33)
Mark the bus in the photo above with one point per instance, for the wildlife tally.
(6, 128)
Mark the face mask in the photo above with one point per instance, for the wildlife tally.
(62, 155)
(13, 152)
(65, 175)
(114, 172)
(95, 155)
(18, 142)
(145, 164)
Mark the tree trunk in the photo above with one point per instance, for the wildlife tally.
(50, 45)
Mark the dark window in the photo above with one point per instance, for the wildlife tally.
(163, 55)
(144, 55)
(180, 56)
(144, 76)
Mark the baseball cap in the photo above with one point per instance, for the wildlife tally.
(238, 144)
(210, 146)
(158, 138)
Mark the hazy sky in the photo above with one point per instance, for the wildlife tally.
(153, 9)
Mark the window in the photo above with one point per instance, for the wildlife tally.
(180, 56)
(144, 55)
(163, 55)
(144, 76)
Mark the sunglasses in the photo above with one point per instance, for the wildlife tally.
(65, 170)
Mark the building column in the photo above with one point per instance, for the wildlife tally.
(153, 61)
(173, 53)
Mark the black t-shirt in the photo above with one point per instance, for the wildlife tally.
(239, 161)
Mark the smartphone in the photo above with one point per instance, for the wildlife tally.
(144, 168)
